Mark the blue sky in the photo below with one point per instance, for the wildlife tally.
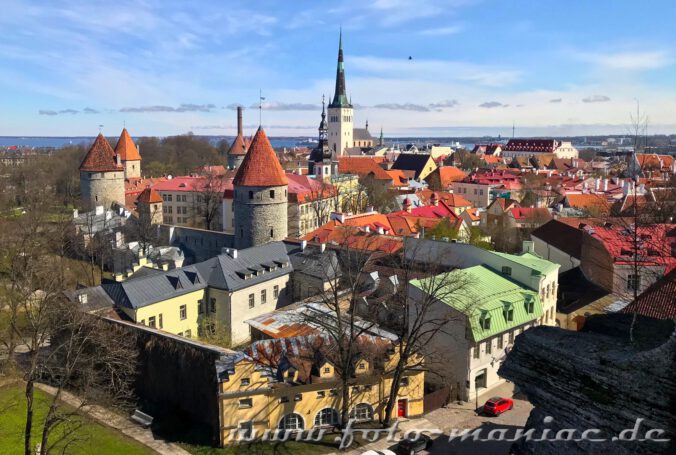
(168, 67)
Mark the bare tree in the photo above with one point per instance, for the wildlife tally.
(207, 199)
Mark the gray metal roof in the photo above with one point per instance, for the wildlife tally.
(151, 289)
(361, 134)
(90, 299)
(248, 268)
(312, 262)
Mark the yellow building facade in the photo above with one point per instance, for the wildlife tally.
(251, 400)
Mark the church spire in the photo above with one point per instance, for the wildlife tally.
(340, 95)
(322, 124)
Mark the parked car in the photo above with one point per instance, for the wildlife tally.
(409, 447)
(497, 405)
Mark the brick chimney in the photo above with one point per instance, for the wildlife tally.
(239, 121)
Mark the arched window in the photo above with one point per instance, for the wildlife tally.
(250, 194)
(291, 422)
(272, 194)
(362, 412)
(327, 416)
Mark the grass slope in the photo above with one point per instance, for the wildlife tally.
(92, 438)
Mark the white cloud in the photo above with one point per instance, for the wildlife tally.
(627, 61)
(596, 99)
(439, 31)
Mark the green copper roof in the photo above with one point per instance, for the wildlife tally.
(538, 265)
(487, 295)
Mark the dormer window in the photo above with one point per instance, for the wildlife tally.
(362, 366)
(508, 312)
(507, 270)
(530, 305)
(485, 321)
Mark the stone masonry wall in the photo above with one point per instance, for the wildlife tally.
(101, 188)
(255, 217)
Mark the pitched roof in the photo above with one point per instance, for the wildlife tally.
(126, 147)
(149, 196)
(538, 265)
(239, 146)
(100, 157)
(363, 166)
(449, 174)
(450, 199)
(532, 213)
(532, 145)
(489, 294)
(411, 162)
(588, 202)
(658, 301)
(361, 134)
(561, 236)
(260, 166)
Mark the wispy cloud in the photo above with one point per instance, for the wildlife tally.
(443, 104)
(180, 108)
(51, 112)
(556, 100)
(492, 104)
(281, 106)
(402, 107)
(234, 106)
(628, 60)
(596, 99)
(89, 110)
(451, 30)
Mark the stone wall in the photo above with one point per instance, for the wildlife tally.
(260, 215)
(132, 169)
(591, 380)
(101, 188)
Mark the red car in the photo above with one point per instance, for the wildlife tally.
(497, 405)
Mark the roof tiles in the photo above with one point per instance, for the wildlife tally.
(260, 166)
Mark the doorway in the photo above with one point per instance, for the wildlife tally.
(402, 408)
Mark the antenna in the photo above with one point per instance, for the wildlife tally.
(100, 127)
(260, 107)
(513, 127)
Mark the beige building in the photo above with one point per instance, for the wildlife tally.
(185, 200)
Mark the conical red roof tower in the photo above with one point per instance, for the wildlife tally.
(126, 147)
(260, 166)
(100, 157)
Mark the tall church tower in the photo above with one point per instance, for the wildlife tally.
(340, 111)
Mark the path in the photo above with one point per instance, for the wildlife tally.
(119, 423)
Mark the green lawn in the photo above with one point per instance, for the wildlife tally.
(92, 438)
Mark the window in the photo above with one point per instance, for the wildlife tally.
(500, 342)
(362, 412)
(245, 429)
(143, 322)
(327, 416)
(476, 351)
(489, 346)
(245, 403)
(245, 381)
(272, 194)
(485, 321)
(633, 282)
(200, 306)
(251, 301)
(507, 270)
(151, 322)
(187, 333)
(321, 394)
(327, 370)
(333, 392)
(291, 422)
(298, 397)
(508, 313)
(284, 400)
(404, 382)
(161, 323)
(250, 194)
(511, 337)
(264, 296)
(362, 366)
(272, 233)
(530, 305)
(212, 304)
(183, 312)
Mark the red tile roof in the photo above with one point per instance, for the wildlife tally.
(260, 166)
(658, 301)
(448, 175)
(363, 166)
(303, 188)
(531, 145)
(126, 147)
(100, 157)
(450, 199)
(149, 196)
(532, 213)
(239, 146)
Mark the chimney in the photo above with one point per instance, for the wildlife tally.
(239, 121)
(322, 247)
(597, 184)
(233, 253)
(381, 231)
(367, 229)
(118, 160)
(605, 184)
(98, 210)
(303, 245)
(528, 246)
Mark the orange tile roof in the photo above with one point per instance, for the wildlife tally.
(473, 215)
(353, 237)
(260, 166)
(149, 196)
(126, 147)
(449, 174)
(450, 199)
(363, 166)
(238, 146)
(100, 157)
(399, 178)
(588, 201)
